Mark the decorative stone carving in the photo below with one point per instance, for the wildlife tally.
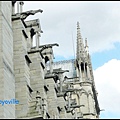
(24, 15)
(48, 46)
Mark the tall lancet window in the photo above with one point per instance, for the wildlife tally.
(32, 35)
(82, 69)
(86, 70)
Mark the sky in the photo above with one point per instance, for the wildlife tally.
(100, 24)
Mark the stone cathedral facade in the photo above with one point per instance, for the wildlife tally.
(32, 86)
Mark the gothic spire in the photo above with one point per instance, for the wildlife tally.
(80, 45)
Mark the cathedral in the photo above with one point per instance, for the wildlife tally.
(33, 86)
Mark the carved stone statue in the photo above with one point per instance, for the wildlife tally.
(48, 46)
(24, 15)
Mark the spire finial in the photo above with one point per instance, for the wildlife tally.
(86, 46)
(80, 45)
(78, 26)
(86, 42)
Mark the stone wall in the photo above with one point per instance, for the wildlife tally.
(42, 93)
(21, 68)
(7, 81)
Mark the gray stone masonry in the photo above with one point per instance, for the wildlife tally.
(21, 68)
(7, 81)
(29, 74)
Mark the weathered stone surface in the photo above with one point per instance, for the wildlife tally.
(41, 89)
(6, 60)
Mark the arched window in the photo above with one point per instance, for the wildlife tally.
(46, 59)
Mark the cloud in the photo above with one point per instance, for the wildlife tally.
(99, 22)
(107, 80)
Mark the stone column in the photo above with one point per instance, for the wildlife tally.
(51, 63)
(13, 9)
(88, 73)
(21, 6)
(68, 97)
(37, 39)
(80, 73)
(80, 78)
(77, 72)
(69, 100)
(85, 74)
(31, 42)
(18, 9)
(75, 114)
(60, 75)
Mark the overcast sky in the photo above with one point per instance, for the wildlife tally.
(100, 24)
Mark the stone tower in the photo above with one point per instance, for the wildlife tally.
(88, 94)
(81, 90)
(32, 85)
